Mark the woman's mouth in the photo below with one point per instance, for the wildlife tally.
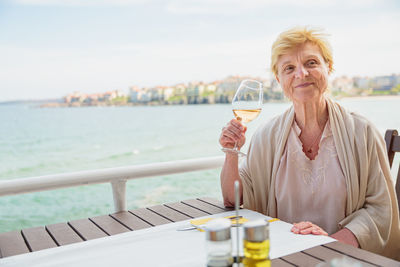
(302, 85)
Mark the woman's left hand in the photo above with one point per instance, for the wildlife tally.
(306, 228)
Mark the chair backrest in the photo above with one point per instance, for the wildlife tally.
(392, 139)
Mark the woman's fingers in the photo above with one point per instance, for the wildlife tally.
(310, 230)
(301, 228)
(302, 225)
(232, 133)
(236, 123)
(242, 140)
(235, 127)
(306, 228)
(319, 231)
(228, 137)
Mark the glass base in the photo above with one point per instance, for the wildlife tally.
(234, 151)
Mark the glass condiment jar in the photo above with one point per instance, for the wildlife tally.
(219, 243)
(256, 244)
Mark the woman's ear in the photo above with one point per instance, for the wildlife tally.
(330, 68)
(276, 77)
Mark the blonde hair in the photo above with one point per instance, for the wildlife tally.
(293, 37)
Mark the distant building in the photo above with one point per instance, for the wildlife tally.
(139, 95)
(397, 79)
(226, 88)
(134, 94)
(342, 84)
(76, 97)
(384, 83)
(212, 87)
(110, 95)
(275, 86)
(193, 91)
(180, 89)
(168, 92)
(179, 95)
(155, 93)
(361, 82)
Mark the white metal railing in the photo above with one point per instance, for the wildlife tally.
(116, 176)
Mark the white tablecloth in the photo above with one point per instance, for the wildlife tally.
(158, 246)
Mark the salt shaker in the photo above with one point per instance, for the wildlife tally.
(219, 243)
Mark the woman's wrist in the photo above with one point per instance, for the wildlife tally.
(346, 236)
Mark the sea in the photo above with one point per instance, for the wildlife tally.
(41, 141)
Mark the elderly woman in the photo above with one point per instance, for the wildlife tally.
(317, 165)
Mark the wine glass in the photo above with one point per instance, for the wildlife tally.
(246, 106)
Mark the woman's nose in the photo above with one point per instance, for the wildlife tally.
(301, 72)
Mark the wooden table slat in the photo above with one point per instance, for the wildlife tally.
(87, 229)
(203, 206)
(109, 225)
(362, 255)
(150, 217)
(38, 238)
(169, 213)
(187, 210)
(63, 234)
(12, 243)
(328, 254)
(215, 202)
(129, 220)
(301, 259)
(280, 263)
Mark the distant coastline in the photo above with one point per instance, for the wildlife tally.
(217, 92)
(58, 103)
(371, 97)
(32, 101)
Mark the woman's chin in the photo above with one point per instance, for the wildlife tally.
(306, 97)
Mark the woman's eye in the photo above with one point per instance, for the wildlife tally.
(288, 68)
(312, 63)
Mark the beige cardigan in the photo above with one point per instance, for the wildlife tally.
(372, 213)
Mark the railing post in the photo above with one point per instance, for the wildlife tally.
(119, 195)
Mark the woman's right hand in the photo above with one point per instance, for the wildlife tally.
(233, 132)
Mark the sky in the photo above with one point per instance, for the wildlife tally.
(50, 48)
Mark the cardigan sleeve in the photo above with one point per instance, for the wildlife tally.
(257, 170)
(247, 185)
(254, 171)
(371, 219)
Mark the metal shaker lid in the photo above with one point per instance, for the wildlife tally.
(218, 229)
(256, 231)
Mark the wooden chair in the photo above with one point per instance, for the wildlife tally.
(392, 139)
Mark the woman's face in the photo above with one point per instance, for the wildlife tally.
(303, 73)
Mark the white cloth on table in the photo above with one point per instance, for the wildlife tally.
(159, 246)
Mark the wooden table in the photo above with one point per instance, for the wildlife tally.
(38, 238)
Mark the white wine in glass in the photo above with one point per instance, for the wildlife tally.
(246, 115)
(246, 106)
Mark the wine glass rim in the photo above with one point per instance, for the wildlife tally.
(254, 81)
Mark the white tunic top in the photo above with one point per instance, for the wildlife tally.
(304, 186)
